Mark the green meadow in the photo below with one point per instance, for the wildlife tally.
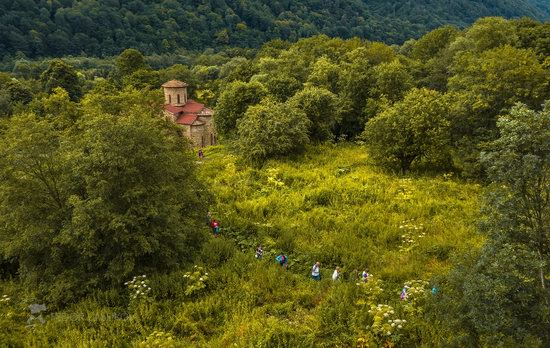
(330, 205)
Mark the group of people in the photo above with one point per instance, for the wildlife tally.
(282, 260)
(336, 274)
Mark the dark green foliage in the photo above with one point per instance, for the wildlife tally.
(411, 131)
(89, 204)
(60, 74)
(40, 28)
(233, 103)
(503, 297)
(130, 61)
(321, 108)
(272, 129)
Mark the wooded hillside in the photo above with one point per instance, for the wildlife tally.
(40, 28)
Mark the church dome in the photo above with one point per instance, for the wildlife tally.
(174, 84)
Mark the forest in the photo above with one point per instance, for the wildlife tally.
(99, 28)
(424, 164)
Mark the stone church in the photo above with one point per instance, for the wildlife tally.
(194, 117)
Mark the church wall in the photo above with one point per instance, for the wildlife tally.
(171, 96)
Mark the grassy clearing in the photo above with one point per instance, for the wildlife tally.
(332, 205)
(329, 205)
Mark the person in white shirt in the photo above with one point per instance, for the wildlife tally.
(316, 271)
(336, 274)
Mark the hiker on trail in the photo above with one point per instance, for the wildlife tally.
(215, 227)
(403, 295)
(316, 271)
(282, 260)
(336, 274)
(259, 252)
(365, 275)
(201, 154)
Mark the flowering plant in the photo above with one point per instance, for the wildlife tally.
(371, 290)
(139, 288)
(196, 280)
(411, 234)
(416, 291)
(385, 326)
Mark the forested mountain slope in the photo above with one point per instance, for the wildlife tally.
(40, 28)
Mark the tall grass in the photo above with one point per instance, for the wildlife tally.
(329, 205)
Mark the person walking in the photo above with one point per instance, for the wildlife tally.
(282, 260)
(215, 227)
(336, 274)
(365, 275)
(316, 271)
(403, 295)
(201, 154)
(259, 252)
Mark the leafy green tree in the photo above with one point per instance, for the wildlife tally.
(143, 78)
(355, 86)
(378, 53)
(19, 93)
(279, 86)
(107, 98)
(503, 295)
(534, 35)
(392, 80)
(233, 103)
(271, 129)
(325, 74)
(432, 43)
(487, 33)
(89, 207)
(130, 61)
(61, 74)
(413, 130)
(321, 108)
(496, 79)
(238, 68)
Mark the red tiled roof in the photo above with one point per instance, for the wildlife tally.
(192, 107)
(189, 119)
(189, 113)
(173, 109)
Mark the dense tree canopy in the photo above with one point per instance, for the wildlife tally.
(61, 74)
(39, 28)
(105, 197)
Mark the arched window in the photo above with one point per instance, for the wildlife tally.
(169, 99)
(179, 99)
